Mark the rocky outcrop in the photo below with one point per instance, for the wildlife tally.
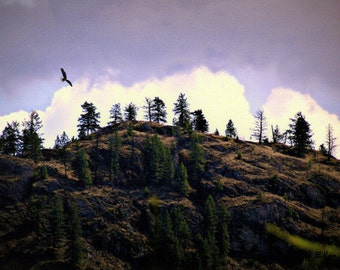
(15, 179)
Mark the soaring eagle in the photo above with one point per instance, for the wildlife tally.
(64, 78)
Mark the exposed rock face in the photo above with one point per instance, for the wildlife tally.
(258, 186)
(15, 180)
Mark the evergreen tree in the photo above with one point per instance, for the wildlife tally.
(11, 139)
(114, 145)
(31, 140)
(182, 110)
(64, 155)
(158, 166)
(58, 225)
(88, 120)
(148, 109)
(199, 123)
(130, 112)
(223, 241)
(210, 215)
(301, 134)
(260, 126)
(181, 229)
(172, 251)
(205, 256)
(158, 111)
(197, 159)
(330, 142)
(115, 114)
(182, 179)
(230, 129)
(76, 241)
(81, 168)
(217, 132)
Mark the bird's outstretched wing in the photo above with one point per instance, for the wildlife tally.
(68, 82)
(64, 73)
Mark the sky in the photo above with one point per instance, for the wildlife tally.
(229, 57)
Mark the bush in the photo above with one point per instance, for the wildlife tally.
(239, 155)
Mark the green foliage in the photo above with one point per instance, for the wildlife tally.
(130, 112)
(115, 114)
(31, 140)
(197, 159)
(181, 108)
(11, 138)
(58, 234)
(158, 165)
(213, 243)
(230, 130)
(81, 168)
(300, 242)
(219, 185)
(158, 111)
(199, 123)
(43, 172)
(260, 196)
(88, 120)
(301, 134)
(114, 145)
(182, 180)
(58, 228)
(239, 155)
(76, 247)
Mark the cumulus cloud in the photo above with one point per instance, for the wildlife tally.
(282, 104)
(220, 96)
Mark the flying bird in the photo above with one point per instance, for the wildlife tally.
(64, 78)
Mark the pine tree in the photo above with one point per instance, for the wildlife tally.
(88, 120)
(76, 255)
(222, 236)
(58, 227)
(157, 159)
(182, 180)
(114, 144)
(130, 112)
(301, 134)
(197, 159)
(31, 140)
(199, 123)
(115, 114)
(182, 110)
(81, 168)
(158, 111)
(181, 228)
(172, 251)
(230, 129)
(11, 139)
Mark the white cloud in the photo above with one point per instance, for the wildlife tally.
(282, 104)
(220, 96)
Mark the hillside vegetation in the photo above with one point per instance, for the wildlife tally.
(162, 199)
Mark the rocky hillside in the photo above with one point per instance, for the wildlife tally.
(138, 214)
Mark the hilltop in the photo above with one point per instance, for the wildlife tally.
(122, 219)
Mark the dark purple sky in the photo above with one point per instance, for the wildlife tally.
(264, 44)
